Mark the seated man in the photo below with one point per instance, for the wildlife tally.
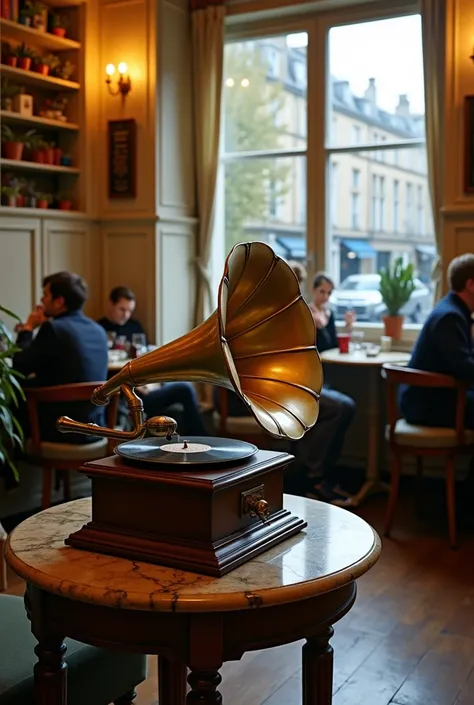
(68, 348)
(120, 308)
(445, 346)
(156, 398)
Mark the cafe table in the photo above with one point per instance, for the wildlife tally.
(296, 590)
(371, 367)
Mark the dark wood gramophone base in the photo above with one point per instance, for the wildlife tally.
(194, 519)
(215, 560)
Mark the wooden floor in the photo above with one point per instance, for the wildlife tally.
(409, 640)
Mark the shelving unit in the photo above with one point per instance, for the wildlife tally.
(52, 96)
(35, 121)
(45, 40)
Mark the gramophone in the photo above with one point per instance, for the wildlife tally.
(210, 504)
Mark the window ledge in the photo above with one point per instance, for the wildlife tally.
(374, 331)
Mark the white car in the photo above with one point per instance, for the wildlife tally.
(361, 293)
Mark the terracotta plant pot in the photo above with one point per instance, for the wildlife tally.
(393, 326)
(12, 61)
(42, 68)
(59, 31)
(41, 203)
(65, 205)
(38, 156)
(48, 155)
(13, 150)
(58, 153)
(24, 63)
(19, 201)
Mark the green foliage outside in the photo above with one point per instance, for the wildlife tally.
(249, 115)
(11, 433)
(396, 286)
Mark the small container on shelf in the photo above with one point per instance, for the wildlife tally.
(8, 94)
(43, 200)
(58, 24)
(25, 56)
(23, 104)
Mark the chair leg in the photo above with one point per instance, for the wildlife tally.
(47, 487)
(451, 500)
(394, 485)
(419, 484)
(126, 698)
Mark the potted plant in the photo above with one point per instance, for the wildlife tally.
(38, 14)
(25, 56)
(45, 64)
(396, 286)
(29, 195)
(10, 195)
(43, 200)
(7, 93)
(64, 202)
(64, 71)
(13, 145)
(11, 433)
(8, 55)
(59, 24)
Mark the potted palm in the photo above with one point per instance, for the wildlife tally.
(11, 434)
(396, 286)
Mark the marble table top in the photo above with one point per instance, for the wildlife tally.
(336, 548)
(358, 357)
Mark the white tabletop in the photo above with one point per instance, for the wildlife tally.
(359, 357)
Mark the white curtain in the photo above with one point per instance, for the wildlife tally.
(433, 20)
(208, 64)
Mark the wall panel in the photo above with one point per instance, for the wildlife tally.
(20, 264)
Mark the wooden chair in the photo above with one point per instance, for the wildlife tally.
(242, 428)
(64, 457)
(95, 676)
(421, 441)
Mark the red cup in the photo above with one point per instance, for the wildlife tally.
(344, 339)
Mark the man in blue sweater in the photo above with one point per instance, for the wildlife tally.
(445, 346)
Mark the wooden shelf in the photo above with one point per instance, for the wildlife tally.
(9, 116)
(40, 212)
(20, 164)
(45, 40)
(37, 79)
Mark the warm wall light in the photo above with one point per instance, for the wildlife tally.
(124, 84)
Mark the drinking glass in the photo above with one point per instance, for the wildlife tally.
(111, 336)
(357, 338)
(139, 343)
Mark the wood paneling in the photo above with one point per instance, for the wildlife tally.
(20, 264)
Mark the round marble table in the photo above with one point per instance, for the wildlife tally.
(296, 590)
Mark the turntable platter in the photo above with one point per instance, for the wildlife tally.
(194, 450)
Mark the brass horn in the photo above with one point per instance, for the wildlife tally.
(260, 342)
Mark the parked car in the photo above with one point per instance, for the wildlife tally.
(361, 293)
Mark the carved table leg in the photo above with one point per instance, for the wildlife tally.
(50, 672)
(171, 682)
(317, 669)
(204, 687)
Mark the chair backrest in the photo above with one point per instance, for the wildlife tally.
(78, 391)
(395, 375)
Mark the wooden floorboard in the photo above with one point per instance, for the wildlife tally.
(409, 640)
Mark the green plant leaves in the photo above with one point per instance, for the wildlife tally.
(396, 286)
(11, 392)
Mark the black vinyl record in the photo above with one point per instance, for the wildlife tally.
(194, 450)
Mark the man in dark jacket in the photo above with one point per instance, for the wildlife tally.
(445, 346)
(68, 348)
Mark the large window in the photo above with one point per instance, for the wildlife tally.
(376, 95)
(371, 204)
(263, 162)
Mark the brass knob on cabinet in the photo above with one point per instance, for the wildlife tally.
(257, 507)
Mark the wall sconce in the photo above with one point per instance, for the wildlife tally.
(124, 84)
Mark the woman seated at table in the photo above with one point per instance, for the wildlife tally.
(336, 409)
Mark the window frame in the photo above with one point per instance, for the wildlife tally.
(317, 24)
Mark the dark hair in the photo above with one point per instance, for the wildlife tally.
(71, 287)
(320, 278)
(121, 292)
(299, 270)
(460, 270)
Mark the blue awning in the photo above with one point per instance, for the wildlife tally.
(361, 248)
(293, 247)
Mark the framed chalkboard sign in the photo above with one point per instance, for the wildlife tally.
(122, 158)
(469, 144)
